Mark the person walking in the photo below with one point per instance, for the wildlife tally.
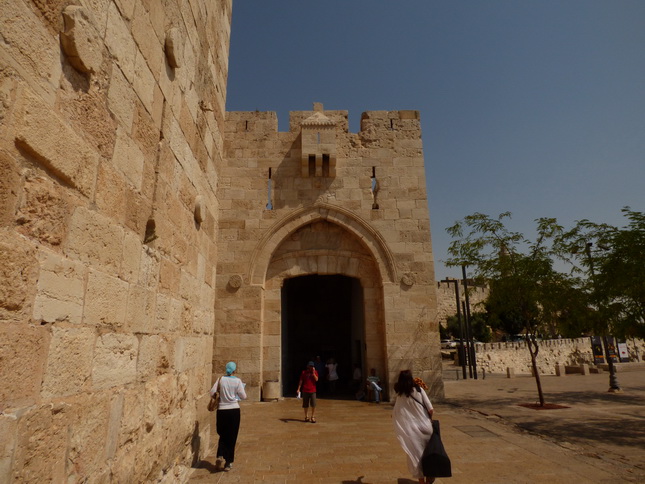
(412, 416)
(332, 375)
(231, 391)
(308, 380)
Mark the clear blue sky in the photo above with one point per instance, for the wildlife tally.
(533, 107)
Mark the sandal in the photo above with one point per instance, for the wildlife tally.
(306, 419)
(313, 420)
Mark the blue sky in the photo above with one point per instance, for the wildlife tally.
(533, 107)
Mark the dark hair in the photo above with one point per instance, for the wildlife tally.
(406, 384)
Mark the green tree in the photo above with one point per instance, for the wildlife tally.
(478, 323)
(612, 261)
(518, 271)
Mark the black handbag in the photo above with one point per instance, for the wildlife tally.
(435, 461)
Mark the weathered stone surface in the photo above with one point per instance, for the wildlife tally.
(10, 187)
(80, 40)
(60, 289)
(155, 357)
(54, 144)
(174, 47)
(140, 316)
(18, 273)
(115, 360)
(45, 210)
(105, 300)
(8, 428)
(94, 239)
(22, 357)
(69, 366)
(42, 444)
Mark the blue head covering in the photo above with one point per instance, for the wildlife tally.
(230, 367)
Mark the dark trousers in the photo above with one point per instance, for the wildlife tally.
(228, 426)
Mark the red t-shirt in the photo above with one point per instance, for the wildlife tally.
(307, 381)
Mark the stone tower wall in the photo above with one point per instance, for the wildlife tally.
(106, 318)
(402, 321)
(446, 305)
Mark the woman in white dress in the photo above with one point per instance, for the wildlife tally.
(412, 422)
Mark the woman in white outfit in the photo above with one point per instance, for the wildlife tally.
(231, 391)
(412, 422)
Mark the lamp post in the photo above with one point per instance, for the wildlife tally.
(469, 329)
(613, 379)
(461, 330)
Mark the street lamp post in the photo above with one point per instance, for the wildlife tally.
(469, 329)
(613, 379)
(462, 358)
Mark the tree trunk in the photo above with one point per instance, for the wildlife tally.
(533, 349)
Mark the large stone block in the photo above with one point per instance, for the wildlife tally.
(41, 446)
(10, 188)
(128, 158)
(8, 429)
(140, 317)
(54, 144)
(115, 360)
(155, 357)
(94, 239)
(18, 273)
(105, 300)
(45, 210)
(69, 365)
(60, 289)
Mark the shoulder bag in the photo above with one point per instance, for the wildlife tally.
(213, 403)
(435, 461)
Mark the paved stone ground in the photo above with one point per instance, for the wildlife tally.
(600, 438)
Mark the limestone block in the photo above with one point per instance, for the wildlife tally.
(22, 357)
(94, 239)
(146, 37)
(8, 428)
(115, 360)
(10, 187)
(42, 445)
(128, 158)
(131, 261)
(149, 268)
(131, 423)
(110, 192)
(39, 64)
(120, 43)
(121, 99)
(60, 289)
(144, 82)
(89, 423)
(18, 273)
(155, 356)
(69, 364)
(81, 41)
(44, 212)
(54, 144)
(140, 317)
(105, 300)
(189, 352)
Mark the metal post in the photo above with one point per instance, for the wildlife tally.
(473, 356)
(461, 329)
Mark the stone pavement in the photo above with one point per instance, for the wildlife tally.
(600, 438)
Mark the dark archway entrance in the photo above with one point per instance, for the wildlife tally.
(321, 316)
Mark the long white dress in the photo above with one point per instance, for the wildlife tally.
(413, 427)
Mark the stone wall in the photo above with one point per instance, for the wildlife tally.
(364, 216)
(497, 357)
(111, 114)
(446, 304)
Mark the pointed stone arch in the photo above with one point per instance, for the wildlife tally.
(373, 241)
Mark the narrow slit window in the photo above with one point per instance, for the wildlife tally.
(325, 165)
(312, 165)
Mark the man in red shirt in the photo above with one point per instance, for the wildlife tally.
(308, 379)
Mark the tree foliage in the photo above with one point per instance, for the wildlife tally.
(613, 261)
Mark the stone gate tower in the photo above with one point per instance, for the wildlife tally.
(324, 248)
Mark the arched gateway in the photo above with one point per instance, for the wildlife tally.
(324, 250)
